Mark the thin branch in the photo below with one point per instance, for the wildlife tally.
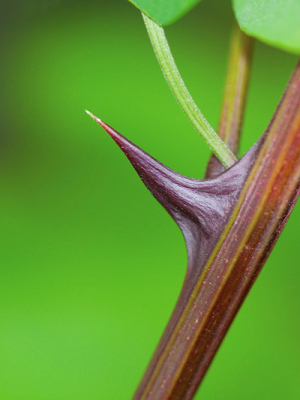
(237, 82)
(178, 88)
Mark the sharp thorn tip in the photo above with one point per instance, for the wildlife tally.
(94, 117)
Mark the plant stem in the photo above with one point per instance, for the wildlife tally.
(236, 88)
(179, 90)
(263, 207)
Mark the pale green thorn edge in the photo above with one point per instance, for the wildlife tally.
(182, 95)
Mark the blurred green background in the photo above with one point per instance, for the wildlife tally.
(91, 264)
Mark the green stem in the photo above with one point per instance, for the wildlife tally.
(172, 76)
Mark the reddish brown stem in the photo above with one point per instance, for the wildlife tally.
(237, 82)
(264, 205)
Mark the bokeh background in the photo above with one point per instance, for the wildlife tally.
(91, 264)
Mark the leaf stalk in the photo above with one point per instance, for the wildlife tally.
(182, 95)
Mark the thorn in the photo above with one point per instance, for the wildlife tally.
(114, 134)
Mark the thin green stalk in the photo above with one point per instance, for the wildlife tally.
(172, 76)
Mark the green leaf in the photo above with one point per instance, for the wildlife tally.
(165, 12)
(276, 22)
